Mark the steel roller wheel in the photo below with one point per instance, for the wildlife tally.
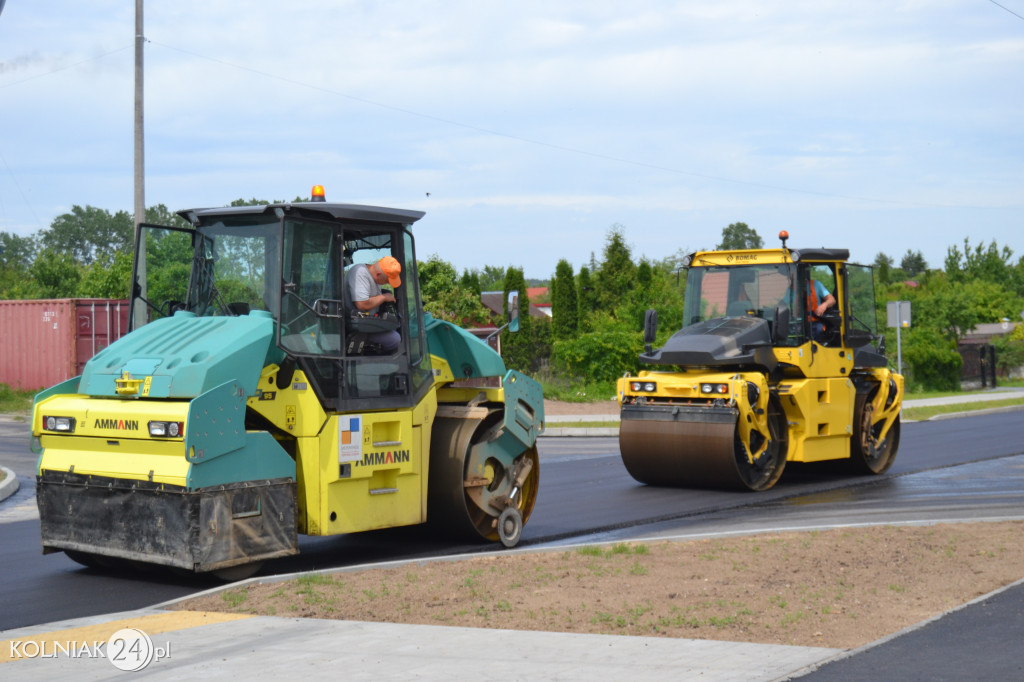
(700, 447)
(471, 485)
(765, 471)
(868, 454)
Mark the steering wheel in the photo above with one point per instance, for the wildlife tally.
(830, 321)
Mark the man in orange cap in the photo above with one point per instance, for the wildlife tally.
(363, 284)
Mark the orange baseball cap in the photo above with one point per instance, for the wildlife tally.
(392, 268)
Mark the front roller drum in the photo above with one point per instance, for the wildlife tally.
(477, 490)
(698, 447)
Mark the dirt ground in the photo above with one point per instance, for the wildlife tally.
(837, 588)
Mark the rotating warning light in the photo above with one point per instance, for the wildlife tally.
(318, 193)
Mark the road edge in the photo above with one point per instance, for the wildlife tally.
(9, 485)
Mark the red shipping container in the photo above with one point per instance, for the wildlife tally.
(42, 343)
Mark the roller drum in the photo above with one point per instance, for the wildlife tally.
(700, 446)
(680, 446)
(471, 484)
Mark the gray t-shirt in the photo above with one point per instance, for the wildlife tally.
(361, 286)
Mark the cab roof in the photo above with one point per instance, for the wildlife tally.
(320, 209)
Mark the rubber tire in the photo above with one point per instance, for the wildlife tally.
(866, 458)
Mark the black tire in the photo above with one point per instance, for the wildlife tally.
(868, 455)
(766, 471)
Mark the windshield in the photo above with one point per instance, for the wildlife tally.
(228, 267)
(734, 291)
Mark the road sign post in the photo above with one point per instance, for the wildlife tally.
(898, 315)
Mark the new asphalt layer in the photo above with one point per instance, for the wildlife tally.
(980, 640)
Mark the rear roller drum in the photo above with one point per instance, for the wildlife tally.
(765, 471)
(868, 453)
(476, 490)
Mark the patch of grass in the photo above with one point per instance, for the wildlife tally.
(920, 413)
(557, 388)
(315, 579)
(235, 598)
(12, 400)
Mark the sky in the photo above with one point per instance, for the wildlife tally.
(528, 131)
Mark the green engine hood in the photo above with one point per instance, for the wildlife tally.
(184, 356)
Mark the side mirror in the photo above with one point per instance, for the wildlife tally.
(855, 338)
(780, 325)
(650, 329)
(513, 311)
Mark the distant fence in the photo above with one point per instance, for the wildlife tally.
(979, 366)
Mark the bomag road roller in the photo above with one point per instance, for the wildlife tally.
(250, 402)
(755, 379)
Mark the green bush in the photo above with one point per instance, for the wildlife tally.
(933, 361)
(1009, 354)
(601, 356)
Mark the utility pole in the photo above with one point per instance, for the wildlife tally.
(140, 162)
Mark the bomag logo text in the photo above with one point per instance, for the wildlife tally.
(117, 424)
(377, 458)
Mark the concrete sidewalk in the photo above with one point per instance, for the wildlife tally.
(188, 645)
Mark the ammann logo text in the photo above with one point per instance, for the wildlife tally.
(117, 424)
(377, 458)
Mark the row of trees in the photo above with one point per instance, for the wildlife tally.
(594, 334)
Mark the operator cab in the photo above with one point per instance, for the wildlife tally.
(288, 262)
(763, 285)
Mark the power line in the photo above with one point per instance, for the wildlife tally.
(1006, 8)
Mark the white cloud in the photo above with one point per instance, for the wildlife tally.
(879, 125)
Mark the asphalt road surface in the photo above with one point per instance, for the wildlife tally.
(953, 469)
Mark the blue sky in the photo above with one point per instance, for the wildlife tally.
(877, 125)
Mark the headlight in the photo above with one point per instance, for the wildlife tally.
(62, 424)
(643, 386)
(714, 389)
(166, 429)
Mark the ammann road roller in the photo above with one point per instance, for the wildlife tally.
(251, 403)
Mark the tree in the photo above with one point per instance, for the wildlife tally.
(988, 263)
(617, 274)
(913, 263)
(883, 266)
(55, 274)
(586, 299)
(108, 281)
(738, 236)
(16, 256)
(564, 308)
(470, 281)
(88, 234)
(445, 297)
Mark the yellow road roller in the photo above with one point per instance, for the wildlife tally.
(778, 360)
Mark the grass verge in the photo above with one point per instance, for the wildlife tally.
(14, 401)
